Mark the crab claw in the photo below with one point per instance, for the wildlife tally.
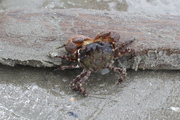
(107, 36)
(74, 43)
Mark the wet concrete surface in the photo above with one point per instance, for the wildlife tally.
(42, 93)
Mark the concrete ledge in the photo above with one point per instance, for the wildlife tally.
(28, 36)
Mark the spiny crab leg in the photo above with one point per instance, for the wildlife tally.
(66, 57)
(124, 44)
(75, 80)
(115, 69)
(124, 51)
(77, 83)
(81, 82)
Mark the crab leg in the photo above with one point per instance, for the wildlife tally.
(124, 44)
(115, 69)
(124, 51)
(81, 82)
(65, 57)
(75, 80)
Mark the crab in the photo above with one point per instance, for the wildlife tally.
(95, 55)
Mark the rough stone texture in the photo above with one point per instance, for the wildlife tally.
(27, 37)
(29, 93)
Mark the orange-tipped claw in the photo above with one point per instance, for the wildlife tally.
(107, 36)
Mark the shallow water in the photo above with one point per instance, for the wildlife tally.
(170, 7)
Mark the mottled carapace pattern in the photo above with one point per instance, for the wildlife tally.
(95, 55)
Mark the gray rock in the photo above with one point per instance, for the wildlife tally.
(30, 37)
